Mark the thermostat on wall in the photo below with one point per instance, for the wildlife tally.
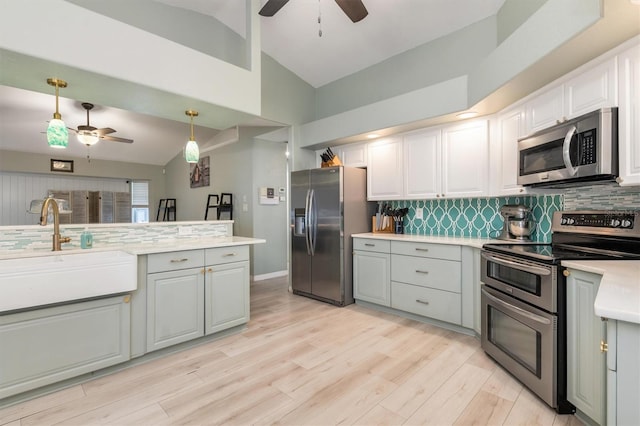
(268, 196)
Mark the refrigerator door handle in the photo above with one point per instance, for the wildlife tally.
(307, 221)
(313, 222)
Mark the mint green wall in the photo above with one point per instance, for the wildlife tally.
(201, 32)
(238, 168)
(513, 13)
(476, 217)
(442, 59)
(286, 98)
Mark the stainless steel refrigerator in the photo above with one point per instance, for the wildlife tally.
(327, 206)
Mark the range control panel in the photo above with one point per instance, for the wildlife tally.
(610, 222)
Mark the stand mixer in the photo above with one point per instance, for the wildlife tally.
(517, 222)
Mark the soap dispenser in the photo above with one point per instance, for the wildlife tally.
(86, 239)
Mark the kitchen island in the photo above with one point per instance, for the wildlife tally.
(179, 291)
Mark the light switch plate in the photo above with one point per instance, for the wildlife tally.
(419, 213)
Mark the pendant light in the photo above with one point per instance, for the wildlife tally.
(191, 151)
(57, 133)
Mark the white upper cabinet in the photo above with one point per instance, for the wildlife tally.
(545, 110)
(422, 164)
(629, 116)
(384, 171)
(352, 155)
(432, 163)
(590, 88)
(509, 127)
(465, 160)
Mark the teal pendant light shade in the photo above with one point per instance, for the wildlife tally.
(57, 133)
(191, 151)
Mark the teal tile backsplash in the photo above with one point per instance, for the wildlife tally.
(476, 217)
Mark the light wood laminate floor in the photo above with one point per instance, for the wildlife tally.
(303, 362)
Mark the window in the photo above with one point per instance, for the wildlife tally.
(139, 201)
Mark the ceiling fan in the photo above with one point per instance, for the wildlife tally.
(354, 9)
(89, 135)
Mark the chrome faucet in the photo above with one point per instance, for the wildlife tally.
(57, 239)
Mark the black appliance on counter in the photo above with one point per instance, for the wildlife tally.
(524, 295)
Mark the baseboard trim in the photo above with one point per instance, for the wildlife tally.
(270, 275)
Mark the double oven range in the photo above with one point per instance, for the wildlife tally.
(523, 295)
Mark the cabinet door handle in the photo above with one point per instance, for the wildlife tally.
(228, 254)
(369, 245)
(421, 249)
(424, 302)
(184, 259)
(604, 347)
(421, 272)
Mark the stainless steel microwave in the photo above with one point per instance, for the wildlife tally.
(579, 150)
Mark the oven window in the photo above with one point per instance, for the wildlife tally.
(542, 158)
(519, 341)
(523, 280)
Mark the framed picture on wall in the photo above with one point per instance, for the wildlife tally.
(199, 173)
(62, 166)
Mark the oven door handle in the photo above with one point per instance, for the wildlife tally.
(516, 310)
(516, 265)
(566, 151)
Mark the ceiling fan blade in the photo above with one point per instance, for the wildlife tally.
(116, 139)
(354, 9)
(271, 7)
(104, 131)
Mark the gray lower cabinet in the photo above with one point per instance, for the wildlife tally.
(371, 271)
(425, 279)
(193, 293)
(48, 345)
(175, 307)
(586, 362)
(623, 373)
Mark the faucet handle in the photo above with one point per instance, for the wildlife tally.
(65, 239)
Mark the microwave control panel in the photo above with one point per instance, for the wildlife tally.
(587, 150)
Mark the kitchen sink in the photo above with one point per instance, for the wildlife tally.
(29, 282)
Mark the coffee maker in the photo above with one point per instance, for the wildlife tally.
(518, 224)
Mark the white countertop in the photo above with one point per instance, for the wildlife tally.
(459, 241)
(147, 248)
(619, 293)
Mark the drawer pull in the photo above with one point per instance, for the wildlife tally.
(369, 245)
(184, 259)
(421, 249)
(228, 254)
(421, 272)
(424, 302)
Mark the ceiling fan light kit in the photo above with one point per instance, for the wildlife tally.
(87, 138)
(191, 151)
(57, 133)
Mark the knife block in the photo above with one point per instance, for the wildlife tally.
(335, 161)
(387, 230)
